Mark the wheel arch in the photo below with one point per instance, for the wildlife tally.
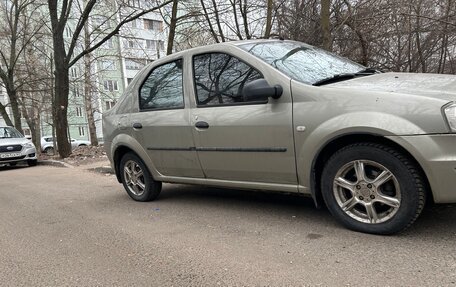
(123, 145)
(336, 143)
(119, 152)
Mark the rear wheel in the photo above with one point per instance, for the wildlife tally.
(49, 150)
(137, 179)
(373, 188)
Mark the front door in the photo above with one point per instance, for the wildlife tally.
(162, 125)
(238, 140)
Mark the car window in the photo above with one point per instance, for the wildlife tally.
(300, 61)
(163, 88)
(219, 78)
(9, 132)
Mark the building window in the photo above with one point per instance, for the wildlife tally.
(150, 44)
(109, 44)
(134, 3)
(110, 85)
(129, 80)
(133, 43)
(101, 23)
(134, 64)
(110, 104)
(134, 23)
(76, 92)
(78, 111)
(153, 25)
(81, 131)
(108, 65)
(68, 32)
(161, 45)
(73, 72)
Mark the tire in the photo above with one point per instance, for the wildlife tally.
(32, 162)
(373, 188)
(49, 150)
(137, 179)
(12, 163)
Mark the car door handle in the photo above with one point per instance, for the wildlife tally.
(137, 126)
(202, 125)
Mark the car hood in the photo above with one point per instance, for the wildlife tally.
(429, 85)
(13, 141)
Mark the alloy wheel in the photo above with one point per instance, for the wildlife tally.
(134, 178)
(367, 191)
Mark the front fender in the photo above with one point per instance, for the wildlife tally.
(310, 143)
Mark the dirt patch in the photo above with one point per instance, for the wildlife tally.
(80, 155)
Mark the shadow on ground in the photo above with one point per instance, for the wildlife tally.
(435, 221)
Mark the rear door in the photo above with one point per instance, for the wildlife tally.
(162, 124)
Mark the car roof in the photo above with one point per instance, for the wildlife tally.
(200, 49)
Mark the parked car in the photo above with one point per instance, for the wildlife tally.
(15, 148)
(47, 144)
(285, 116)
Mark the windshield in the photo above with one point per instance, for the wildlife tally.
(302, 62)
(9, 132)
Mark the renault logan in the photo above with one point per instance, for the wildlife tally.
(285, 116)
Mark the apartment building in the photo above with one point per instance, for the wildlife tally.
(112, 67)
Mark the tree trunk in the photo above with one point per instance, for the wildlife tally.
(5, 115)
(60, 104)
(217, 20)
(33, 122)
(244, 12)
(12, 95)
(172, 28)
(324, 20)
(209, 23)
(236, 21)
(88, 90)
(267, 32)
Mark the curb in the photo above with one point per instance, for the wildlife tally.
(56, 163)
(102, 169)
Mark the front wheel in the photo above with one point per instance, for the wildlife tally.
(373, 188)
(137, 179)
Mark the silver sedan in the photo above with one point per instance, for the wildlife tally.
(288, 117)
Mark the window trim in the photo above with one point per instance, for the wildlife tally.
(198, 105)
(147, 76)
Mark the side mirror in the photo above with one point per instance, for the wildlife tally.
(260, 90)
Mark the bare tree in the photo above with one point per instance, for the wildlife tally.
(172, 27)
(16, 32)
(325, 24)
(66, 56)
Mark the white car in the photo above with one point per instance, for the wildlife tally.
(14, 148)
(47, 144)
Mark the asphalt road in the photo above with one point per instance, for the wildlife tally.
(69, 226)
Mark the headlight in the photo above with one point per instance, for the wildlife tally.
(28, 145)
(450, 113)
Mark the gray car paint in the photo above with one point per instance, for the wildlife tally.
(392, 105)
